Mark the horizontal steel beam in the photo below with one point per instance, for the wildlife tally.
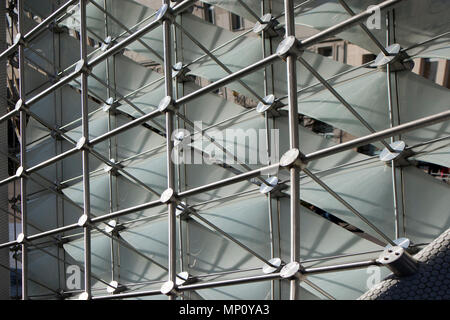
(345, 24)
(383, 134)
(111, 51)
(37, 30)
(339, 267)
(228, 79)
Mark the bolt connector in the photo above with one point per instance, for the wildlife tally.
(164, 13)
(81, 67)
(267, 26)
(399, 261)
(269, 105)
(21, 172)
(83, 221)
(166, 104)
(110, 105)
(169, 288)
(168, 196)
(397, 59)
(21, 239)
(293, 270)
(293, 158)
(114, 287)
(290, 46)
(179, 73)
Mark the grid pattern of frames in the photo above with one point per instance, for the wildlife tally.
(102, 197)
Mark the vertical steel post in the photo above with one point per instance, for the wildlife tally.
(268, 71)
(110, 141)
(169, 146)
(85, 152)
(392, 124)
(294, 143)
(23, 141)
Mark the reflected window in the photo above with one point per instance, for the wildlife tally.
(237, 23)
(210, 15)
(430, 67)
(368, 57)
(326, 51)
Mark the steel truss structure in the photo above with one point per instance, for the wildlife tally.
(99, 188)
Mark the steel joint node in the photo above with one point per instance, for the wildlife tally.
(168, 288)
(82, 144)
(292, 158)
(168, 196)
(114, 287)
(184, 278)
(83, 221)
(267, 26)
(20, 172)
(164, 13)
(293, 270)
(21, 238)
(81, 67)
(274, 266)
(400, 262)
(166, 104)
(289, 46)
(270, 105)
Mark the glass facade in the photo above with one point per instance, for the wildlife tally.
(204, 150)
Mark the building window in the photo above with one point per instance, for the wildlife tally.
(210, 15)
(430, 67)
(237, 23)
(326, 51)
(368, 57)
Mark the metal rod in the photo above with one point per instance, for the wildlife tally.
(364, 28)
(241, 35)
(168, 85)
(216, 60)
(23, 142)
(221, 283)
(37, 30)
(133, 37)
(339, 267)
(232, 239)
(85, 152)
(228, 79)
(126, 29)
(391, 124)
(130, 247)
(197, 286)
(249, 10)
(128, 125)
(291, 71)
(266, 124)
(111, 51)
(219, 145)
(347, 205)
(128, 295)
(383, 134)
(228, 181)
(345, 24)
(342, 100)
(319, 289)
